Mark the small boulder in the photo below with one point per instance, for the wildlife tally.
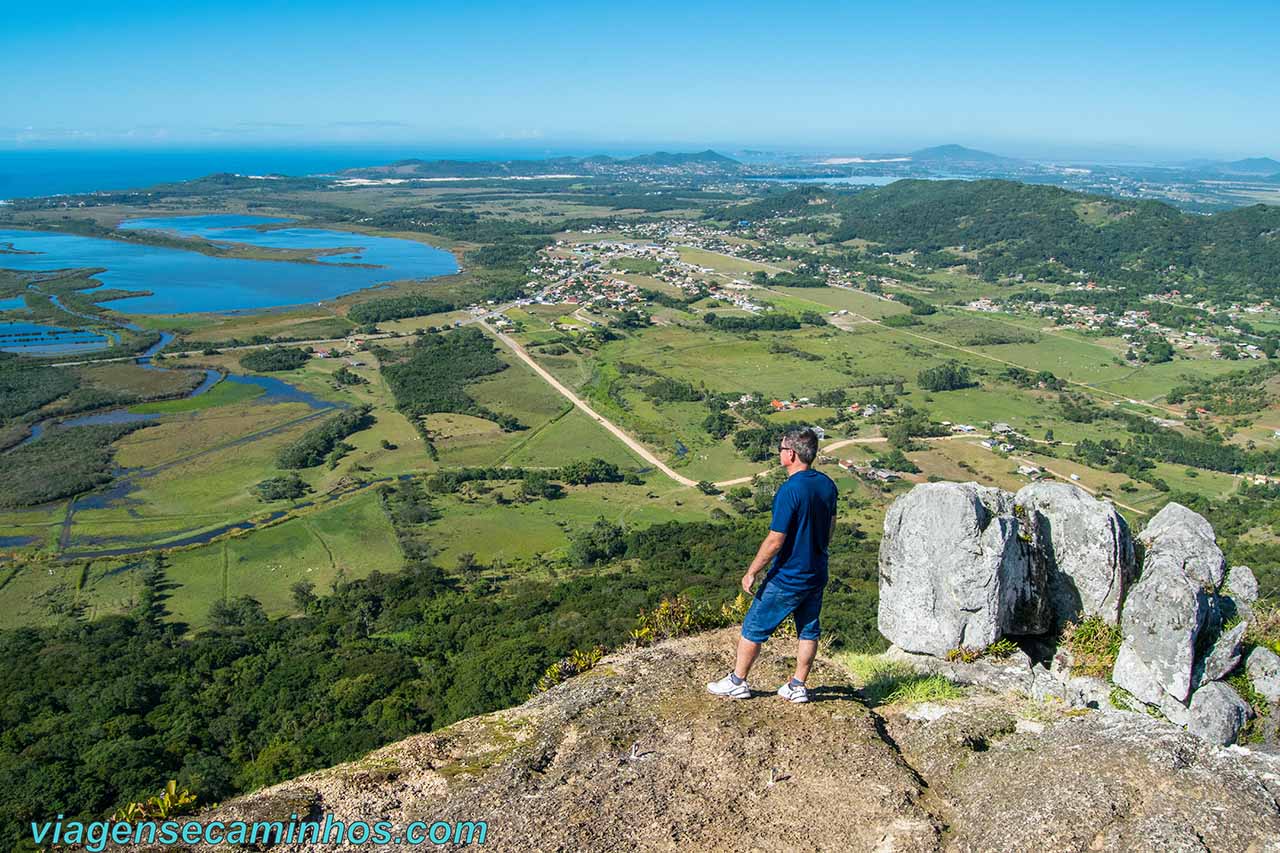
(1222, 657)
(1088, 548)
(1263, 667)
(1241, 584)
(957, 569)
(1184, 539)
(1217, 714)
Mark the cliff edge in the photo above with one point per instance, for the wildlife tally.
(635, 755)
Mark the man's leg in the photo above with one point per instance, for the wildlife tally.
(808, 629)
(747, 652)
(806, 651)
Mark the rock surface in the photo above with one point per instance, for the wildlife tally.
(957, 569)
(1183, 539)
(1088, 547)
(634, 755)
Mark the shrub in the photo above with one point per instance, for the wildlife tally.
(1000, 649)
(170, 802)
(963, 654)
(675, 616)
(285, 487)
(1094, 646)
(576, 663)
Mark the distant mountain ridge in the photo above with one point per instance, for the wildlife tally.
(1252, 166)
(707, 161)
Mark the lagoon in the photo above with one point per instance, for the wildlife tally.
(185, 281)
(38, 339)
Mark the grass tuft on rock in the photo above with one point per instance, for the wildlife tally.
(1094, 646)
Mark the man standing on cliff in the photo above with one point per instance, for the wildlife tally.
(804, 517)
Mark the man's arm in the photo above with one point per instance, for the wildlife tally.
(769, 549)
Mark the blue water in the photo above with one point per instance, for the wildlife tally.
(37, 339)
(280, 392)
(27, 173)
(185, 282)
(230, 228)
(17, 303)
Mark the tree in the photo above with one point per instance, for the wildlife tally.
(1157, 350)
(948, 376)
(303, 594)
(602, 541)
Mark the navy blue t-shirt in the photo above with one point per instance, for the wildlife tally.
(803, 509)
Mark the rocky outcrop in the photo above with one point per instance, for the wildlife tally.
(1176, 646)
(950, 551)
(1087, 545)
(635, 755)
(957, 569)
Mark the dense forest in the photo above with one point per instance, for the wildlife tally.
(397, 308)
(97, 714)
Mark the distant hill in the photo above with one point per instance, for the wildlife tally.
(1261, 166)
(699, 161)
(1015, 228)
(703, 158)
(956, 154)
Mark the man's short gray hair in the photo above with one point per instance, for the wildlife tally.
(804, 442)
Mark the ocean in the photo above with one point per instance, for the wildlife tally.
(27, 172)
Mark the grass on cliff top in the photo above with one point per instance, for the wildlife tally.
(888, 682)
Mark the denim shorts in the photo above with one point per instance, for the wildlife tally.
(772, 604)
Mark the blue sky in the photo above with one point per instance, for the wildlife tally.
(1020, 78)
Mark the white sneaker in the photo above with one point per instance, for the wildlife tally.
(798, 695)
(726, 687)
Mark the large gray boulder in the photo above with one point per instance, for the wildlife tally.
(1163, 617)
(1172, 605)
(1217, 713)
(957, 569)
(1263, 668)
(1183, 539)
(1088, 548)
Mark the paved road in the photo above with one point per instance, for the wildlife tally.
(639, 449)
